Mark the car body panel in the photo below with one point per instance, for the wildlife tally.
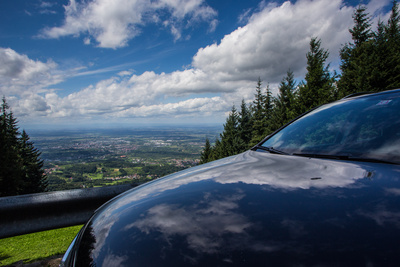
(252, 209)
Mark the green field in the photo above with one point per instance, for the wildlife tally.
(33, 247)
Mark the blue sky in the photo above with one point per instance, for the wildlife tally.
(107, 62)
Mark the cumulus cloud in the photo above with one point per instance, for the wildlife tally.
(18, 72)
(112, 23)
(136, 96)
(33, 103)
(190, 107)
(274, 39)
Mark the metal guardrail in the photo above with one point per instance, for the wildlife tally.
(51, 210)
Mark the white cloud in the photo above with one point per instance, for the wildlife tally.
(19, 74)
(187, 108)
(33, 103)
(112, 23)
(136, 96)
(275, 38)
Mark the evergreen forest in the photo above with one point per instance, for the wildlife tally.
(21, 168)
(369, 63)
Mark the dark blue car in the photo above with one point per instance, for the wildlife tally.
(322, 191)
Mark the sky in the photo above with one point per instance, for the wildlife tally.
(110, 63)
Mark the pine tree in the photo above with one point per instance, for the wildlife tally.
(378, 80)
(258, 102)
(235, 137)
(268, 107)
(257, 110)
(318, 87)
(261, 114)
(357, 58)
(244, 127)
(372, 61)
(284, 107)
(20, 164)
(34, 178)
(206, 153)
(392, 31)
(230, 135)
(217, 151)
(10, 163)
(361, 32)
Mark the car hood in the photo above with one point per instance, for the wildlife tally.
(253, 209)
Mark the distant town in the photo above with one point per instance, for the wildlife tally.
(94, 158)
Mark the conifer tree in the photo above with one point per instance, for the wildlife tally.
(217, 150)
(385, 63)
(318, 87)
(10, 164)
(268, 107)
(257, 107)
(392, 31)
(257, 110)
(244, 127)
(34, 179)
(20, 164)
(361, 32)
(261, 114)
(206, 153)
(357, 57)
(378, 80)
(230, 135)
(284, 107)
(372, 61)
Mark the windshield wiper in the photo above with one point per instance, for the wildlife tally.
(343, 157)
(271, 150)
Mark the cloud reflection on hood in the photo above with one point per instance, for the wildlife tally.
(381, 215)
(208, 229)
(281, 172)
(249, 168)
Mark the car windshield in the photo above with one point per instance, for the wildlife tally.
(363, 128)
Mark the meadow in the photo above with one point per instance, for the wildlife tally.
(36, 246)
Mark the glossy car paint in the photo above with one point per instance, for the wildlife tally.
(253, 209)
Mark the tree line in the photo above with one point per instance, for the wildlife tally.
(21, 168)
(369, 63)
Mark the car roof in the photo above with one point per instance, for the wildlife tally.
(368, 93)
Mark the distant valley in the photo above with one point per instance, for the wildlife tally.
(101, 157)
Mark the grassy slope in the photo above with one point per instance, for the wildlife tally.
(36, 246)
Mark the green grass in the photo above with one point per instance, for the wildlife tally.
(32, 247)
(117, 181)
(95, 176)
